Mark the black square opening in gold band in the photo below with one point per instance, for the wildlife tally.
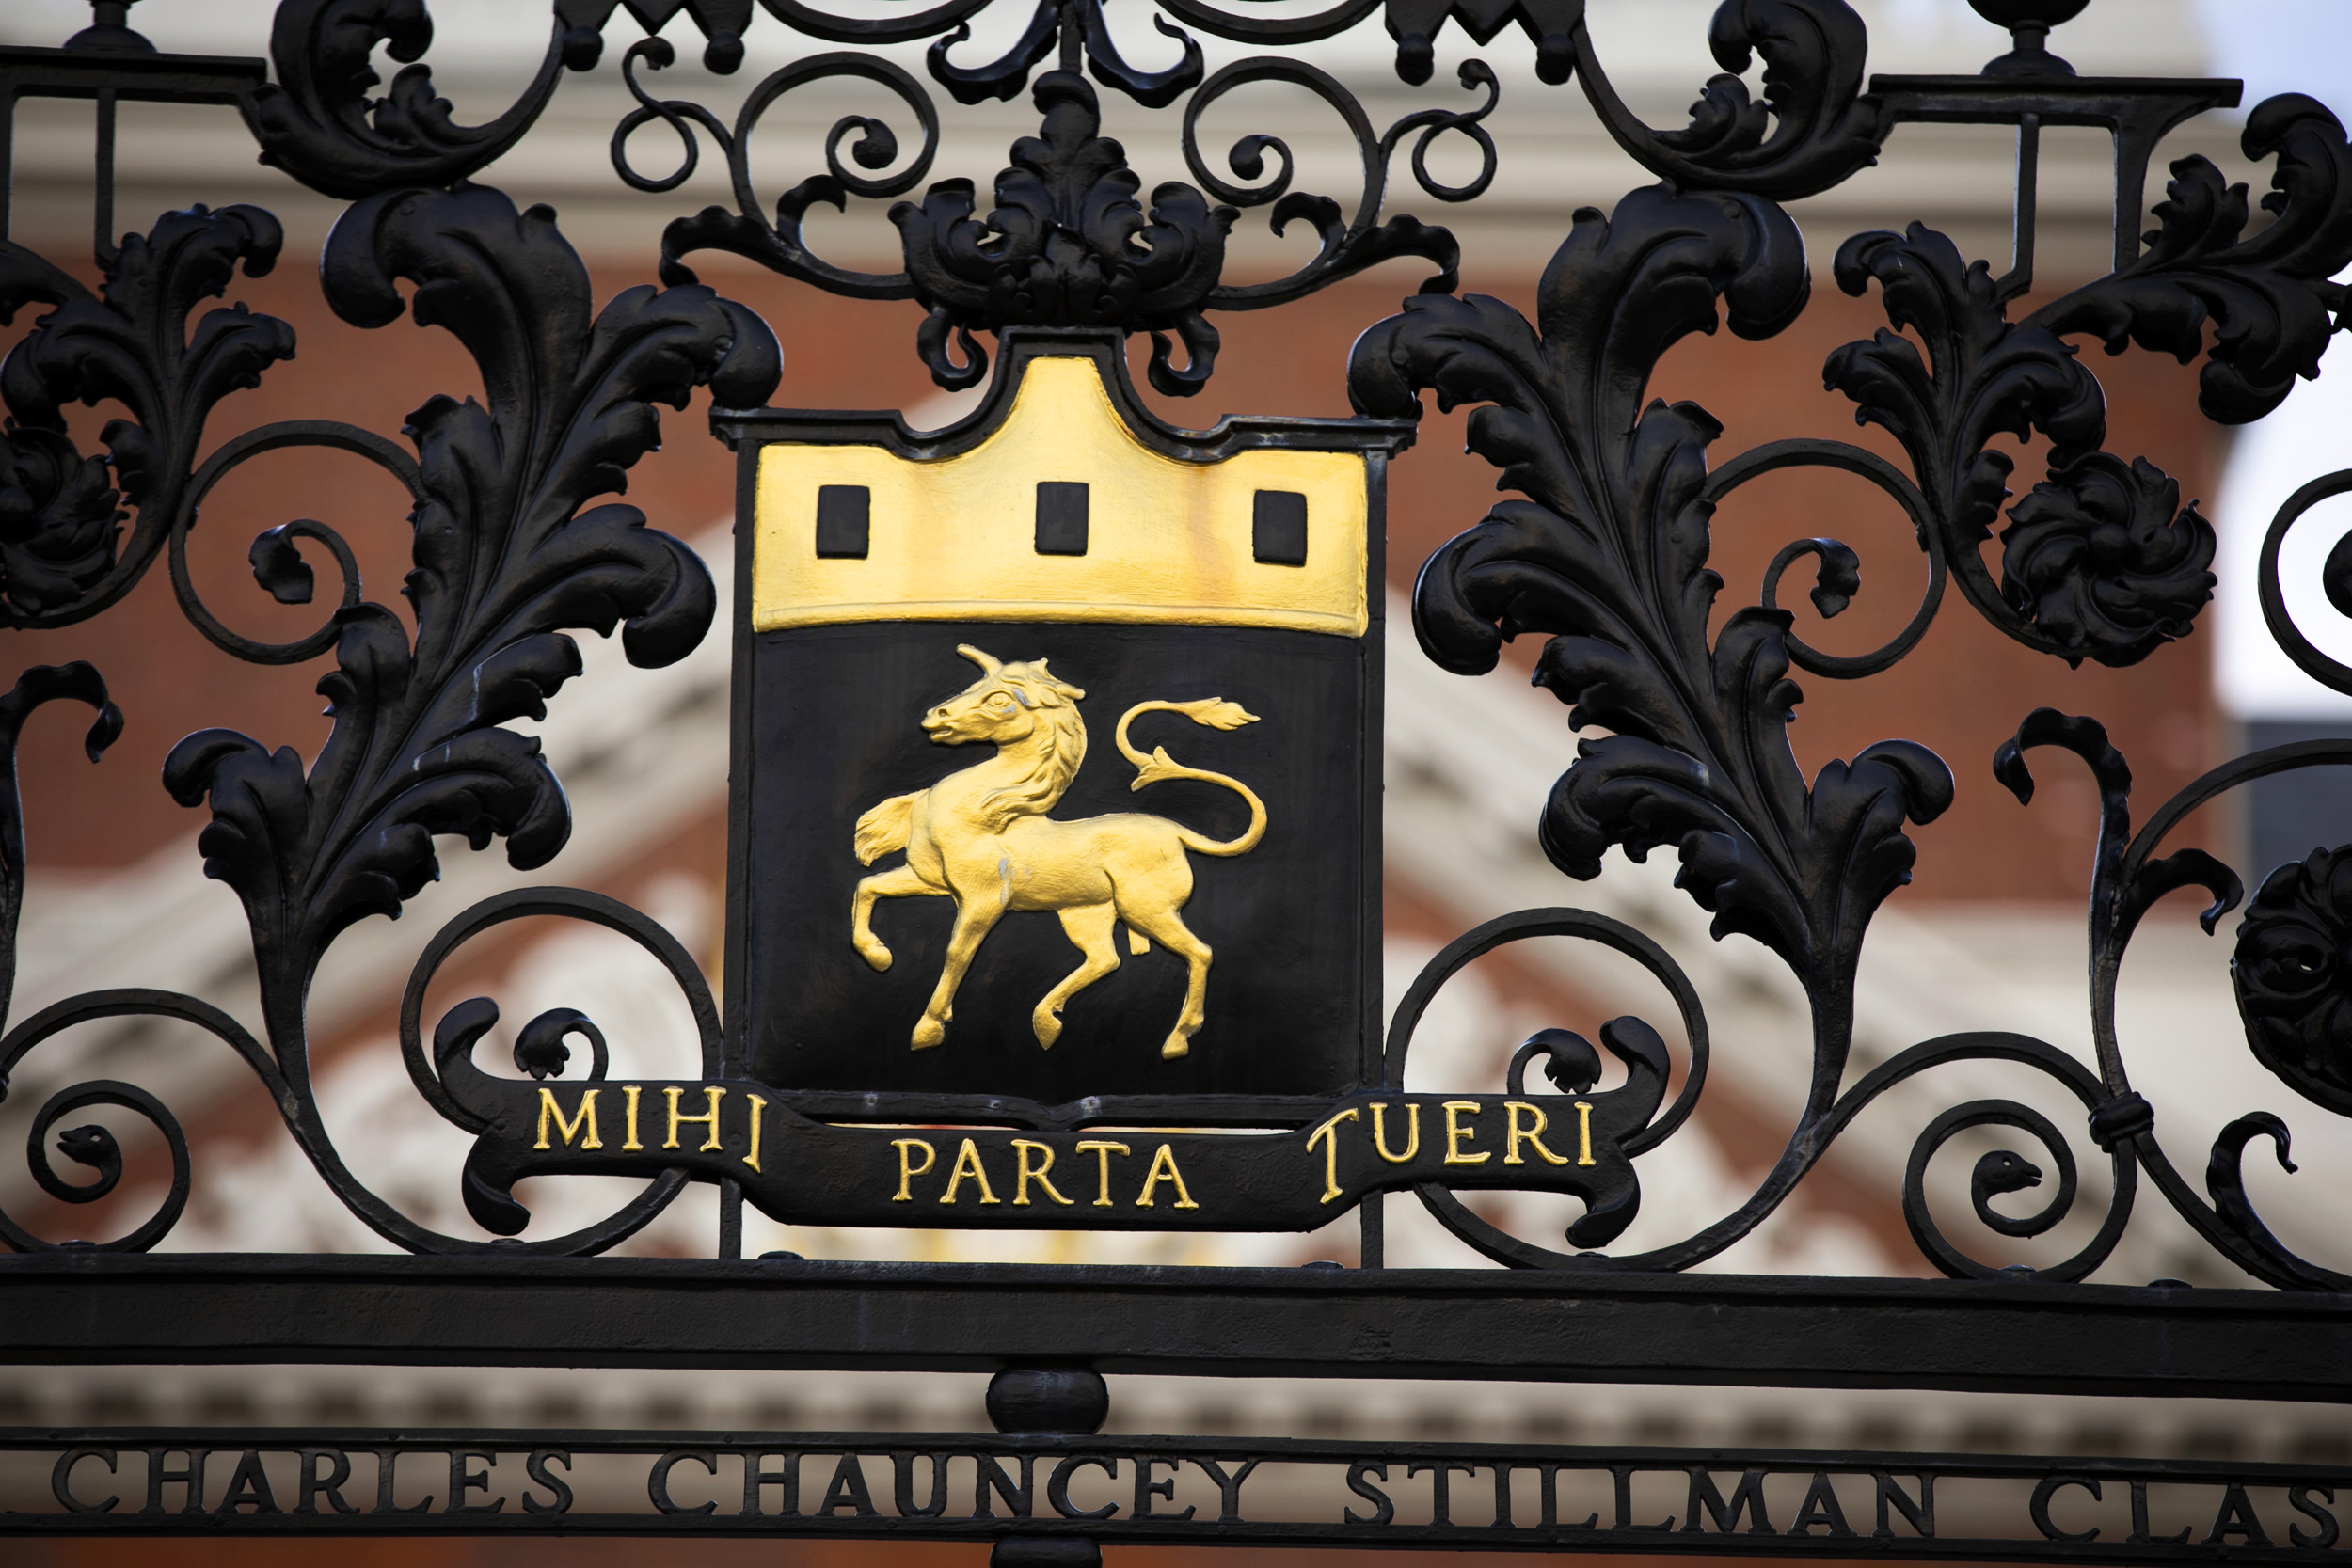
(1277, 528)
(844, 521)
(1061, 517)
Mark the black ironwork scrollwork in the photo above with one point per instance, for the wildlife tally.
(1573, 1067)
(778, 245)
(539, 1048)
(1360, 241)
(318, 124)
(507, 553)
(510, 548)
(2128, 880)
(1602, 548)
(2100, 561)
(1815, 128)
(2270, 298)
(1066, 241)
(62, 556)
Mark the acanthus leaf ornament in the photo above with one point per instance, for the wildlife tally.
(1608, 556)
(2097, 563)
(505, 557)
(2270, 297)
(508, 554)
(1815, 128)
(130, 342)
(1078, 27)
(317, 122)
(2102, 555)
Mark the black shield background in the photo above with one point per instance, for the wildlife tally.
(834, 713)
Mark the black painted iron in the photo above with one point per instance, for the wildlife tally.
(1051, 1497)
(1601, 548)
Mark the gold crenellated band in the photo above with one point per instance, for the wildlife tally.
(1061, 514)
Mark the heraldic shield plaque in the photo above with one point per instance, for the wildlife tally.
(1057, 777)
(1055, 870)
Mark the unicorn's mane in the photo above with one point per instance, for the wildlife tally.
(1051, 698)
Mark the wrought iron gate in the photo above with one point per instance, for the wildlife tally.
(1220, 589)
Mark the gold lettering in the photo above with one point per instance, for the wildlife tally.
(1103, 1153)
(968, 1164)
(1329, 1133)
(1164, 1165)
(1584, 1132)
(908, 1170)
(1023, 1173)
(631, 1143)
(1515, 1134)
(1380, 1132)
(586, 1115)
(758, 1106)
(1455, 1133)
(709, 1118)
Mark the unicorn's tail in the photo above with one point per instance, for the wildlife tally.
(1218, 714)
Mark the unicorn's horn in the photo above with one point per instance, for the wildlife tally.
(988, 664)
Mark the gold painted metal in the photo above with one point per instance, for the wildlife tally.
(1456, 1134)
(981, 837)
(1328, 1136)
(759, 1108)
(968, 1164)
(1103, 1153)
(1380, 1132)
(584, 1116)
(708, 1119)
(908, 1169)
(1024, 1173)
(1514, 1134)
(955, 539)
(1164, 1169)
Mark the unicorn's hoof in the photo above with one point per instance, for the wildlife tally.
(876, 955)
(1047, 1026)
(1176, 1048)
(929, 1031)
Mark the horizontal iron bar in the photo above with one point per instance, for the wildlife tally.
(1780, 1502)
(29, 72)
(1995, 1334)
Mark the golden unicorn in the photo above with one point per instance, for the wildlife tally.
(981, 837)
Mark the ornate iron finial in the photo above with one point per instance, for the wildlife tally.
(109, 31)
(2028, 23)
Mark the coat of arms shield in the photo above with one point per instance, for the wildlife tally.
(1057, 756)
